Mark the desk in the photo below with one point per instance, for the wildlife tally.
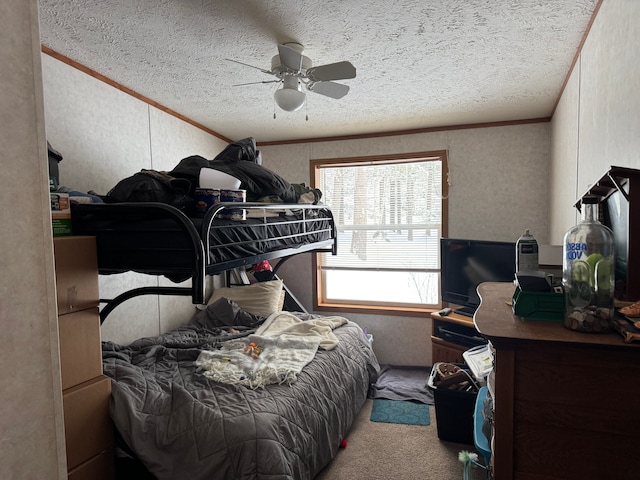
(567, 404)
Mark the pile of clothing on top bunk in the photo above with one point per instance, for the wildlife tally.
(240, 161)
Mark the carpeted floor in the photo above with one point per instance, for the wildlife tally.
(386, 451)
(378, 450)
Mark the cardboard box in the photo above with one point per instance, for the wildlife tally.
(76, 273)
(80, 348)
(88, 430)
(60, 214)
(100, 467)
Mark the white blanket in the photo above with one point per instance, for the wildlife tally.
(286, 323)
(286, 345)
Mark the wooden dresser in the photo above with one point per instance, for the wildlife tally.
(85, 390)
(565, 403)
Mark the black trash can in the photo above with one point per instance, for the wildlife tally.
(454, 410)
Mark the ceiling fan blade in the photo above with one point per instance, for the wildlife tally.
(255, 83)
(247, 65)
(290, 58)
(329, 89)
(331, 71)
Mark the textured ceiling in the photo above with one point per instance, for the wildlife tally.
(419, 63)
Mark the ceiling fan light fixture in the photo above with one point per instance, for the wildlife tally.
(294, 70)
(290, 97)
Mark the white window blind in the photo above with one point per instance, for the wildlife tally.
(389, 215)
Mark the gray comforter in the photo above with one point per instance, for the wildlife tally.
(182, 425)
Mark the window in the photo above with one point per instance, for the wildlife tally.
(390, 213)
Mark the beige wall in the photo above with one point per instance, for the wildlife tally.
(104, 136)
(597, 122)
(31, 429)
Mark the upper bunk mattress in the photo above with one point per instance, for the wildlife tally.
(265, 230)
(155, 238)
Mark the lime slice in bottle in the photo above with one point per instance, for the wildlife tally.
(603, 275)
(581, 272)
(593, 259)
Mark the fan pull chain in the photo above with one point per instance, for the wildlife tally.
(306, 107)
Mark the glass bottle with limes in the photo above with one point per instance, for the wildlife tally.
(588, 272)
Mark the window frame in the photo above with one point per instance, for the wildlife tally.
(319, 304)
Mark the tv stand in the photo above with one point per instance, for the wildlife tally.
(451, 336)
(466, 311)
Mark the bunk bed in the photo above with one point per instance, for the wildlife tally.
(158, 239)
(261, 418)
(174, 420)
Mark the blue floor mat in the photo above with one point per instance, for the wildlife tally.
(400, 411)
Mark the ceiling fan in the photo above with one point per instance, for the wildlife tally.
(294, 70)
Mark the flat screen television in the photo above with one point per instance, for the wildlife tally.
(465, 264)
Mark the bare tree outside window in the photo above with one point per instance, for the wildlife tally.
(390, 215)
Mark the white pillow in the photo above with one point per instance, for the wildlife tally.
(211, 178)
(281, 300)
(262, 298)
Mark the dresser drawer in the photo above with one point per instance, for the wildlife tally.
(100, 467)
(88, 430)
(80, 348)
